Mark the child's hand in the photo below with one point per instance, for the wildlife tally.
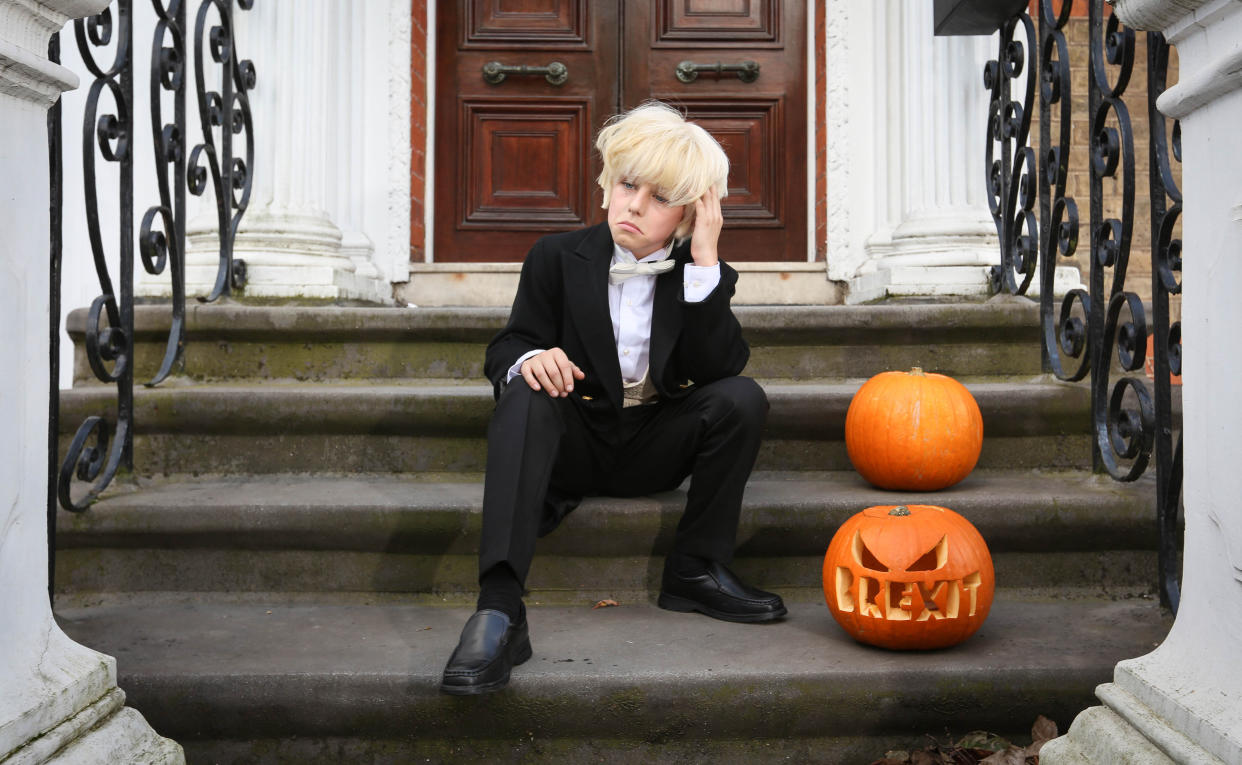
(551, 371)
(708, 221)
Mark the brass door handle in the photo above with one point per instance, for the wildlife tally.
(495, 72)
(688, 71)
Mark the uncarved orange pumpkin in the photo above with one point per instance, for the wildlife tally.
(915, 431)
(909, 577)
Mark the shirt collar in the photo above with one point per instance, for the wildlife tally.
(622, 255)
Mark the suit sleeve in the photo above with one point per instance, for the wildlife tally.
(535, 319)
(711, 345)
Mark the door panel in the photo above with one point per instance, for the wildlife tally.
(523, 161)
(717, 23)
(761, 124)
(750, 132)
(525, 23)
(515, 159)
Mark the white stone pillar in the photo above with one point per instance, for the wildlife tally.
(311, 129)
(1183, 701)
(931, 233)
(907, 116)
(57, 698)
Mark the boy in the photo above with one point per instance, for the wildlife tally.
(618, 374)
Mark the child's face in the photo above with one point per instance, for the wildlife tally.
(640, 219)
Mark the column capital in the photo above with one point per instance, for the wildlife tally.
(1159, 15)
(25, 25)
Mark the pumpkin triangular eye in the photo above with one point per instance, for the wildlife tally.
(934, 558)
(864, 557)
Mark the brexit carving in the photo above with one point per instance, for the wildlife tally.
(913, 576)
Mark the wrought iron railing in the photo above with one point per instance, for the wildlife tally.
(99, 449)
(1131, 419)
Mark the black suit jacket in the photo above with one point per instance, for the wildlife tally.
(562, 301)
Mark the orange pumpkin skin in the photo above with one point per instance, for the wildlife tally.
(909, 577)
(914, 431)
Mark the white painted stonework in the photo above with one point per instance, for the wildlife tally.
(494, 284)
(330, 211)
(1183, 701)
(329, 217)
(907, 211)
(57, 698)
(906, 123)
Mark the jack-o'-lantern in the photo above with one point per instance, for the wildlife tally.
(915, 431)
(911, 576)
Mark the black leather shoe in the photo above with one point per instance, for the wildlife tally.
(718, 593)
(490, 646)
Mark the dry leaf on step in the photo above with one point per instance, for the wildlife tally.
(605, 604)
(982, 740)
(1042, 730)
(924, 757)
(1012, 756)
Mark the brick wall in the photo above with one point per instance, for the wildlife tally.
(418, 129)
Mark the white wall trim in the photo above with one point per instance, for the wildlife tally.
(400, 23)
(31, 77)
(1219, 77)
(837, 144)
(1158, 14)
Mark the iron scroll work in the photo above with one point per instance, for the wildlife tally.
(99, 450)
(1104, 330)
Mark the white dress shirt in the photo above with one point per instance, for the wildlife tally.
(630, 306)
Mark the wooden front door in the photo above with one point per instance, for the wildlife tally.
(515, 154)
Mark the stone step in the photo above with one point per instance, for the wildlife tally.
(232, 341)
(416, 426)
(349, 682)
(418, 535)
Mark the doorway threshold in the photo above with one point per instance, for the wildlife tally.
(494, 284)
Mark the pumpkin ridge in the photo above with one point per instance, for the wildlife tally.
(913, 432)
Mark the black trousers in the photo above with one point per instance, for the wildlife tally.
(544, 455)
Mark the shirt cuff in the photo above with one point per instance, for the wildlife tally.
(699, 282)
(516, 369)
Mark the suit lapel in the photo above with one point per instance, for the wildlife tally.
(665, 316)
(587, 280)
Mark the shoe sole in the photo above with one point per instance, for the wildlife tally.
(685, 605)
(521, 653)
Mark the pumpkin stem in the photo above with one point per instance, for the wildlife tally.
(902, 510)
(917, 371)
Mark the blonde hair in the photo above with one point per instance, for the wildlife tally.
(653, 143)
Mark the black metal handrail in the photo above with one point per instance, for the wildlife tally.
(56, 250)
(111, 133)
(99, 450)
(1104, 329)
(1167, 334)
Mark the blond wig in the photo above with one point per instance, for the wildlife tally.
(653, 143)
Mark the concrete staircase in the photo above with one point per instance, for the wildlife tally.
(288, 568)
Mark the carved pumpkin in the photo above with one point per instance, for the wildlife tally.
(912, 576)
(917, 431)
